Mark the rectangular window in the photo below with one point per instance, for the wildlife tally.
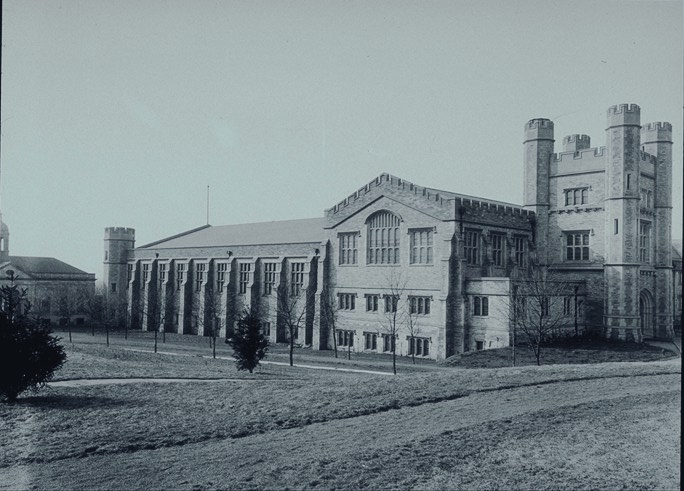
(297, 279)
(269, 277)
(545, 306)
(388, 343)
(567, 305)
(221, 270)
(346, 301)
(479, 345)
(180, 275)
(644, 241)
(349, 248)
(480, 306)
(520, 250)
(113, 287)
(576, 196)
(245, 270)
(129, 276)
(418, 346)
(266, 328)
(421, 246)
(199, 275)
(472, 247)
(145, 273)
(370, 340)
(391, 303)
(615, 227)
(372, 303)
(498, 242)
(162, 273)
(345, 338)
(577, 246)
(629, 181)
(419, 305)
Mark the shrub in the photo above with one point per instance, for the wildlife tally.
(248, 343)
(29, 354)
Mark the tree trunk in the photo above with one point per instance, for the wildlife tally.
(92, 329)
(163, 334)
(107, 333)
(69, 327)
(334, 341)
(155, 340)
(291, 349)
(394, 359)
(214, 349)
(537, 354)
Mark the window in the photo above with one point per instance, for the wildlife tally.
(372, 303)
(577, 196)
(113, 287)
(269, 278)
(481, 306)
(646, 198)
(544, 306)
(419, 305)
(162, 273)
(498, 241)
(129, 276)
(297, 279)
(629, 181)
(520, 249)
(472, 246)
(346, 301)
(349, 248)
(383, 238)
(370, 340)
(245, 270)
(418, 346)
(479, 345)
(145, 272)
(391, 302)
(199, 275)
(644, 241)
(221, 269)
(266, 328)
(180, 275)
(577, 246)
(388, 343)
(2, 247)
(615, 226)
(421, 246)
(345, 338)
(567, 305)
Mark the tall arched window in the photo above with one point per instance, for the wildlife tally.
(383, 238)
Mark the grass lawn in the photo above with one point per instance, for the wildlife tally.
(77, 424)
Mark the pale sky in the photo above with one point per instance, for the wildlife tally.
(120, 113)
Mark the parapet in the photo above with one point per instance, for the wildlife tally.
(119, 233)
(624, 114)
(656, 132)
(575, 143)
(539, 129)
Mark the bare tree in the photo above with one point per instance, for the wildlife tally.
(413, 329)
(68, 304)
(329, 313)
(209, 313)
(395, 312)
(106, 309)
(291, 314)
(537, 306)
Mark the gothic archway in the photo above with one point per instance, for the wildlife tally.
(646, 314)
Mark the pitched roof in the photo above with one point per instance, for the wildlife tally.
(280, 232)
(50, 265)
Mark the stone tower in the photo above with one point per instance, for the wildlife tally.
(538, 149)
(656, 140)
(118, 242)
(621, 269)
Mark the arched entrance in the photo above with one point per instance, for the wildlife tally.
(646, 314)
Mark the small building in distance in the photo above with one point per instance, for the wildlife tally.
(54, 288)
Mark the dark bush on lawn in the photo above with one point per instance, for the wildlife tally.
(248, 342)
(29, 354)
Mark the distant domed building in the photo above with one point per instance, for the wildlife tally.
(50, 283)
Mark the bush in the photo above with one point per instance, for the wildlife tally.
(248, 343)
(29, 354)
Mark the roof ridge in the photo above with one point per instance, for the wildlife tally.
(187, 232)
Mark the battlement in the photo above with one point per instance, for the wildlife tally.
(493, 206)
(585, 153)
(624, 114)
(575, 143)
(539, 129)
(119, 233)
(393, 181)
(653, 132)
(647, 157)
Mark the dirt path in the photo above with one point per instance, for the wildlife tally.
(245, 460)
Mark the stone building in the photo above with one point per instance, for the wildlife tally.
(597, 217)
(54, 288)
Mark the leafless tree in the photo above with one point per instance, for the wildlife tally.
(537, 306)
(413, 326)
(68, 304)
(209, 314)
(329, 313)
(291, 313)
(395, 310)
(106, 309)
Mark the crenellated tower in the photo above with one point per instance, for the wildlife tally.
(118, 242)
(538, 149)
(656, 140)
(621, 237)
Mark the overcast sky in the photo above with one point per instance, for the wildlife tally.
(120, 113)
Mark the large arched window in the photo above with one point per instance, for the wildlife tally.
(383, 238)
